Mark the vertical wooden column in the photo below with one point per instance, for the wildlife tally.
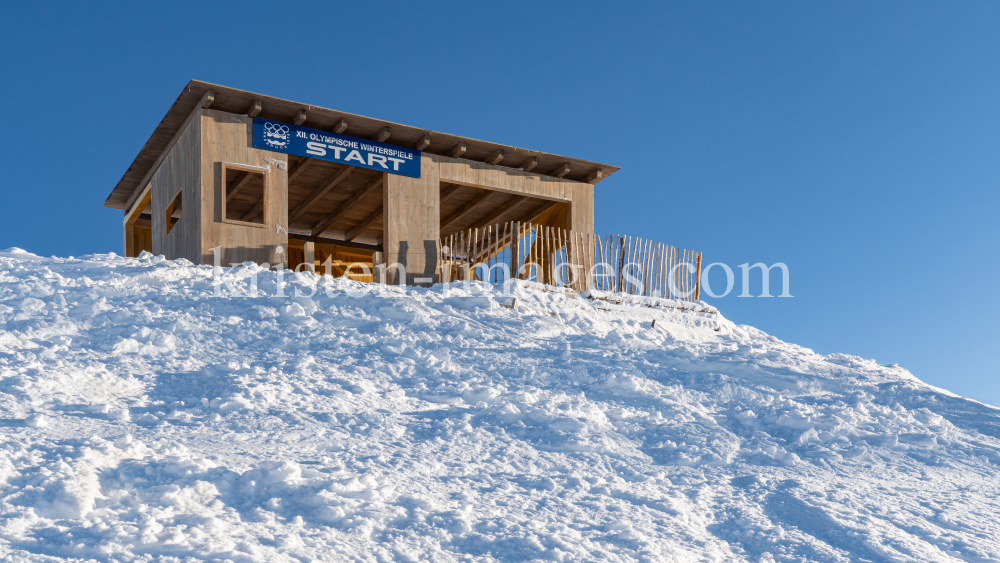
(412, 224)
(309, 256)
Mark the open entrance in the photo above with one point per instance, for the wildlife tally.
(469, 207)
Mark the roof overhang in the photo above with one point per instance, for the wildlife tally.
(237, 101)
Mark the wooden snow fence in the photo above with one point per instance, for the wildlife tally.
(567, 259)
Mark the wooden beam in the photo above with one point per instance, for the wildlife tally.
(424, 142)
(249, 215)
(334, 242)
(299, 168)
(254, 109)
(561, 171)
(319, 192)
(529, 164)
(495, 157)
(206, 100)
(364, 224)
(343, 207)
(240, 184)
(300, 118)
(538, 212)
(131, 215)
(446, 193)
(340, 127)
(465, 209)
(496, 213)
(458, 150)
(595, 176)
(383, 135)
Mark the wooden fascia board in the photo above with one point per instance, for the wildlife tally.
(238, 101)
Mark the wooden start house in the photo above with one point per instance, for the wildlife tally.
(249, 177)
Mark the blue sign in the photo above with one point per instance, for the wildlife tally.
(313, 143)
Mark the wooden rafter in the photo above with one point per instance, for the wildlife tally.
(458, 150)
(447, 192)
(538, 212)
(496, 157)
(319, 192)
(423, 143)
(257, 208)
(340, 127)
(364, 224)
(561, 171)
(383, 135)
(595, 176)
(465, 209)
(343, 207)
(300, 117)
(255, 107)
(241, 182)
(299, 169)
(529, 164)
(514, 202)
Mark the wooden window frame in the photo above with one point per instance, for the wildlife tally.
(263, 170)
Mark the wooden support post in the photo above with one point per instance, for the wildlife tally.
(309, 253)
(697, 282)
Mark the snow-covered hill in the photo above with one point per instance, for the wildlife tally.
(143, 416)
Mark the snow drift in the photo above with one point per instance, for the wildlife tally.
(145, 417)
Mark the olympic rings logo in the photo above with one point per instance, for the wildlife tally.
(276, 134)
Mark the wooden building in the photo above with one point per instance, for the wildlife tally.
(204, 183)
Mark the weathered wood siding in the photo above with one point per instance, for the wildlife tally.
(412, 220)
(225, 138)
(180, 170)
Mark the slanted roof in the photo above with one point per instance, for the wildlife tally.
(237, 101)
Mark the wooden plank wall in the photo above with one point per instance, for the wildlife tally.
(411, 222)
(226, 138)
(179, 170)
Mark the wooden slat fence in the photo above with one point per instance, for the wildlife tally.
(577, 261)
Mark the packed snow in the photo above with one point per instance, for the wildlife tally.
(146, 415)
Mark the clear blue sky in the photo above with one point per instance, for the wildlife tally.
(855, 141)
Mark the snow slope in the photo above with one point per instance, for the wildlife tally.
(145, 417)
